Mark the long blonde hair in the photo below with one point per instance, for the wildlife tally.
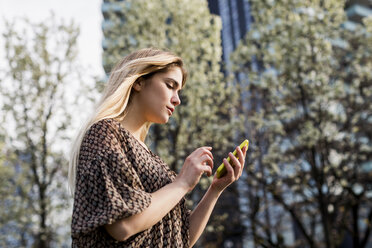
(117, 93)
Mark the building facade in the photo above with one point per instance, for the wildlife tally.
(236, 21)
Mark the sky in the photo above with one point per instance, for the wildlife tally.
(85, 13)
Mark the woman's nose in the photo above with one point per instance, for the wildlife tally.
(176, 99)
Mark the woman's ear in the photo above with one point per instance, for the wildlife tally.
(137, 86)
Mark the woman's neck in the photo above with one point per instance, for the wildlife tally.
(132, 127)
(135, 130)
(134, 123)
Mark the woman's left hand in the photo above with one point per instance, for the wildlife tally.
(233, 172)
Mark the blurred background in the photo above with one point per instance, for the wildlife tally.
(292, 76)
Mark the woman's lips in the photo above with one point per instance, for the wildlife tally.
(170, 110)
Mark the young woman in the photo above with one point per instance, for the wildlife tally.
(125, 195)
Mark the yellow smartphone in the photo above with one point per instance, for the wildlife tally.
(221, 170)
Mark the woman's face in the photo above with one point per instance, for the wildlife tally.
(158, 95)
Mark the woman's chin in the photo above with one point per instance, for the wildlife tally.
(166, 121)
(162, 120)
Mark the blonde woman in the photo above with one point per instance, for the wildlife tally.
(124, 194)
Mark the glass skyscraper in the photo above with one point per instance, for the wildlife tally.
(236, 21)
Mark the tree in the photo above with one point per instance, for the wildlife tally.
(39, 94)
(206, 113)
(309, 81)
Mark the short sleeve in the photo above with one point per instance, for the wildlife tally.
(107, 186)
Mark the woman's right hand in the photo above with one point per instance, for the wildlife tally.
(198, 162)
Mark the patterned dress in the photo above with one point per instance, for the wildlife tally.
(114, 179)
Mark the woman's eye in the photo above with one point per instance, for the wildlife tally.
(169, 86)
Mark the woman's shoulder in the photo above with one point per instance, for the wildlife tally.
(105, 125)
(106, 131)
(103, 137)
(108, 126)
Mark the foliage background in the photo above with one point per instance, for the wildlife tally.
(308, 121)
(39, 97)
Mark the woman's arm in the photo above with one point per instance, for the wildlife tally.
(164, 199)
(201, 214)
(162, 202)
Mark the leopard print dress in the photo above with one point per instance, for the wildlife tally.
(114, 179)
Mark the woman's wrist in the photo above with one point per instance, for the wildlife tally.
(213, 190)
(181, 185)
